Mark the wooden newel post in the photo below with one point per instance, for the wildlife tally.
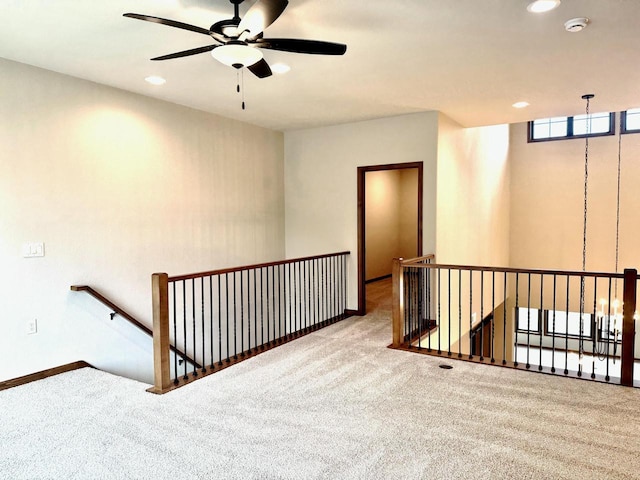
(161, 342)
(398, 303)
(628, 326)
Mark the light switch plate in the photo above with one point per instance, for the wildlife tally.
(33, 249)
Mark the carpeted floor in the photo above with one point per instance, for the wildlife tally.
(334, 404)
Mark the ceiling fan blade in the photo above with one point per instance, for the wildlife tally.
(260, 69)
(262, 14)
(186, 53)
(315, 47)
(164, 21)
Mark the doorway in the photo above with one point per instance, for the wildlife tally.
(378, 196)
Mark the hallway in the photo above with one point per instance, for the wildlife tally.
(335, 404)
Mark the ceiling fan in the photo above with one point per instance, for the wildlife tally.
(240, 39)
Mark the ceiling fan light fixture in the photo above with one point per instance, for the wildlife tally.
(280, 68)
(237, 55)
(541, 6)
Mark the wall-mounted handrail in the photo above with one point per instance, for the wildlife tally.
(127, 316)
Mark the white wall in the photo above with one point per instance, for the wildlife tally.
(547, 198)
(118, 186)
(321, 181)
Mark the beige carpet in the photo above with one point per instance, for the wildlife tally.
(335, 404)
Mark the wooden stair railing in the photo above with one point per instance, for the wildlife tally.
(130, 318)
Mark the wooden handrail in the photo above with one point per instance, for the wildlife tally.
(112, 306)
(223, 271)
(127, 316)
(514, 270)
(418, 260)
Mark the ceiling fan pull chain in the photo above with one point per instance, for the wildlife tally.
(237, 81)
(243, 89)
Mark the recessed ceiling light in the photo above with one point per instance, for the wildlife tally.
(156, 80)
(280, 68)
(541, 6)
(520, 104)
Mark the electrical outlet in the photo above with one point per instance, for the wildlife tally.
(32, 326)
(473, 317)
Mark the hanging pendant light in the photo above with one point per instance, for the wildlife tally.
(588, 98)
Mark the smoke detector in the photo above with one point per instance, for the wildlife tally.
(576, 24)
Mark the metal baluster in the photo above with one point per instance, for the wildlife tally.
(449, 306)
(226, 305)
(459, 313)
(607, 377)
(235, 320)
(294, 318)
(493, 316)
(335, 284)
(299, 294)
(204, 368)
(541, 319)
(439, 314)
(291, 294)
(273, 301)
(211, 340)
(184, 325)
(528, 365)
(481, 315)
(553, 329)
(304, 295)
(249, 311)
(504, 320)
(255, 309)
(470, 313)
(193, 325)
(219, 321)
(517, 319)
(175, 336)
(261, 310)
(566, 333)
(315, 293)
(242, 353)
(594, 327)
(280, 336)
(268, 310)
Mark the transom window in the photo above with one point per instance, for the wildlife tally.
(631, 121)
(578, 126)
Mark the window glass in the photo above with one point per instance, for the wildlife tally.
(559, 324)
(528, 319)
(550, 127)
(632, 119)
(600, 123)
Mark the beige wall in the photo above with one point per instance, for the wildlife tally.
(118, 186)
(473, 212)
(408, 213)
(547, 201)
(391, 218)
(382, 200)
(321, 181)
(473, 194)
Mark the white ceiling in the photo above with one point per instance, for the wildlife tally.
(470, 59)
